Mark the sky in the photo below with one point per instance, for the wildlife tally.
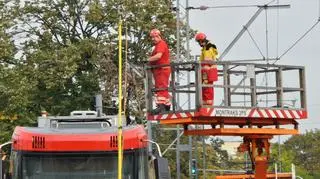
(284, 26)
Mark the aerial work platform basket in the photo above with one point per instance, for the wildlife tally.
(254, 101)
(247, 95)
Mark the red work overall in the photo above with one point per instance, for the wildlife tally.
(161, 74)
(209, 75)
(161, 79)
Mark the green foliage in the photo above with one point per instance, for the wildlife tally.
(306, 150)
(7, 48)
(56, 55)
(222, 157)
(215, 157)
(302, 151)
(285, 159)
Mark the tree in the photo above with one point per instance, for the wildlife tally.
(58, 54)
(285, 159)
(69, 47)
(13, 90)
(302, 151)
(222, 157)
(7, 48)
(306, 150)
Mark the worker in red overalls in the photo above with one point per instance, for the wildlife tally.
(209, 71)
(160, 56)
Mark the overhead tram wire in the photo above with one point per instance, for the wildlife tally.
(218, 7)
(231, 6)
(306, 33)
(297, 41)
(271, 2)
(267, 37)
(246, 6)
(277, 46)
(267, 55)
(238, 36)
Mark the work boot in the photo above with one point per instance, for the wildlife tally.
(160, 109)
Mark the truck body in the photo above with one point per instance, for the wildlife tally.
(78, 147)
